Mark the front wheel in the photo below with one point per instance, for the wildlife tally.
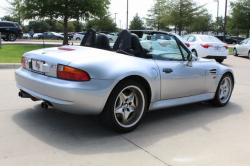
(219, 60)
(224, 91)
(235, 52)
(125, 107)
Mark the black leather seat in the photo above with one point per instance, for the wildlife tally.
(89, 38)
(123, 42)
(102, 42)
(138, 51)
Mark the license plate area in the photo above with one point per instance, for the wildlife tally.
(217, 48)
(37, 65)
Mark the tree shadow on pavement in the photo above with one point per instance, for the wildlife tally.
(83, 135)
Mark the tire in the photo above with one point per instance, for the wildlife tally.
(234, 43)
(235, 52)
(5, 39)
(59, 38)
(110, 40)
(224, 91)
(195, 53)
(78, 38)
(219, 60)
(12, 37)
(125, 107)
(249, 55)
(40, 37)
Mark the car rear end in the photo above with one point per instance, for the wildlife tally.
(19, 30)
(47, 75)
(212, 48)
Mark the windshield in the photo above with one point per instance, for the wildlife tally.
(162, 46)
(210, 39)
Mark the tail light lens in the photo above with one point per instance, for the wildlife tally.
(206, 45)
(23, 62)
(72, 74)
(226, 47)
(21, 29)
(187, 44)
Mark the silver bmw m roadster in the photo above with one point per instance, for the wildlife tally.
(143, 71)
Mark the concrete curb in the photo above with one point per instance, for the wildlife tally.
(10, 65)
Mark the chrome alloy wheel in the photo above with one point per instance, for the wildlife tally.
(129, 106)
(225, 89)
(12, 37)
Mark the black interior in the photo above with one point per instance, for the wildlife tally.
(102, 42)
(89, 38)
(126, 43)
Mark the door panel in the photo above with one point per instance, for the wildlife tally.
(182, 81)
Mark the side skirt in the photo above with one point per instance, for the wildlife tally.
(180, 101)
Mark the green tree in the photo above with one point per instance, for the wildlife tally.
(102, 23)
(16, 10)
(64, 10)
(202, 23)
(182, 13)
(39, 26)
(240, 12)
(9, 18)
(156, 15)
(136, 23)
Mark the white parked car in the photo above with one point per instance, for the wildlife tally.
(79, 36)
(112, 37)
(243, 48)
(206, 46)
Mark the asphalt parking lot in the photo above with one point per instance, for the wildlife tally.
(193, 135)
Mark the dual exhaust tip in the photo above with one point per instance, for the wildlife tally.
(46, 105)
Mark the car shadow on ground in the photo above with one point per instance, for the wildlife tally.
(83, 135)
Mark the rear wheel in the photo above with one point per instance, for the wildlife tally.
(110, 40)
(12, 37)
(125, 107)
(78, 38)
(224, 91)
(249, 55)
(235, 52)
(219, 60)
(195, 53)
(40, 37)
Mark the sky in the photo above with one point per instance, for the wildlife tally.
(141, 7)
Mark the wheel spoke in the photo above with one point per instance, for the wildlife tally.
(119, 110)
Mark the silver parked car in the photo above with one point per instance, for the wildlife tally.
(243, 48)
(122, 83)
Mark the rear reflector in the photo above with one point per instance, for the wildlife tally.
(206, 45)
(226, 47)
(66, 49)
(23, 62)
(72, 74)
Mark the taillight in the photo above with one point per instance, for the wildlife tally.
(21, 29)
(72, 74)
(187, 44)
(226, 47)
(206, 45)
(23, 62)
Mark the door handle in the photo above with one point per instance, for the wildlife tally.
(167, 70)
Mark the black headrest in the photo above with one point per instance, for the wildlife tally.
(102, 42)
(89, 38)
(138, 51)
(123, 42)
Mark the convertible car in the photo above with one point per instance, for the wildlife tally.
(143, 71)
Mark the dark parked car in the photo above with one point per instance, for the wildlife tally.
(229, 40)
(10, 31)
(50, 35)
(70, 35)
(238, 39)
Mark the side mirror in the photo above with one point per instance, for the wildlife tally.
(190, 59)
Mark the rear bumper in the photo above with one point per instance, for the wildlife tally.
(216, 57)
(86, 98)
